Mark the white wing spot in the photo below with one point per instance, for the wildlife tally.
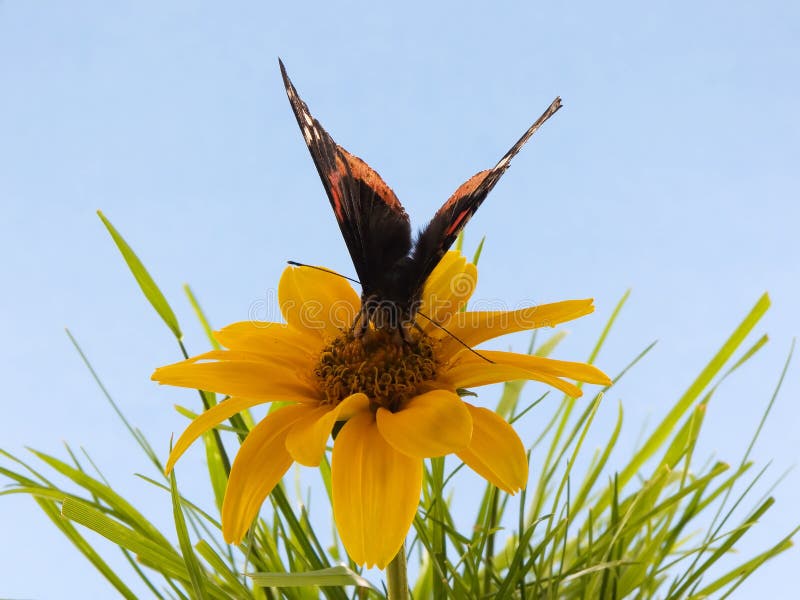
(308, 118)
(307, 135)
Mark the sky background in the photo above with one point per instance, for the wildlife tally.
(671, 170)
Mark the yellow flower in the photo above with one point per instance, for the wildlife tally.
(398, 400)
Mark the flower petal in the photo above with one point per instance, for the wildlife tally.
(432, 424)
(205, 421)
(260, 464)
(375, 492)
(317, 301)
(269, 339)
(549, 366)
(467, 373)
(246, 375)
(495, 452)
(448, 289)
(308, 436)
(474, 327)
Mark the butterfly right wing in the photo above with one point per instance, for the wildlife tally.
(374, 225)
(452, 217)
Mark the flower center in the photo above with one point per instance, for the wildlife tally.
(388, 370)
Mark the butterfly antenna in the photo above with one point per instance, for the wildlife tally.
(323, 269)
(456, 338)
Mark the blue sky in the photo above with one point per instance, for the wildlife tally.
(671, 170)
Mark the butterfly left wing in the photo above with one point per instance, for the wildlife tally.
(450, 219)
(374, 225)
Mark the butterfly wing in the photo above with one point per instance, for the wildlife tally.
(450, 219)
(374, 224)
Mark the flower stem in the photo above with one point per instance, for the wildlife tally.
(397, 576)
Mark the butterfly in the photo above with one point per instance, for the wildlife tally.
(392, 268)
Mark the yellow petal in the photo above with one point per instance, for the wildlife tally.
(478, 326)
(269, 339)
(259, 466)
(207, 420)
(495, 452)
(548, 366)
(352, 405)
(250, 376)
(375, 492)
(432, 424)
(308, 436)
(316, 301)
(447, 290)
(468, 373)
(438, 283)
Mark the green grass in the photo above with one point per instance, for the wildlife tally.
(664, 524)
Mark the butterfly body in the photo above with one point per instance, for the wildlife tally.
(392, 267)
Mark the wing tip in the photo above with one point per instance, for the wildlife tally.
(287, 83)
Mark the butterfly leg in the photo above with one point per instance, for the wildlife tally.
(361, 322)
(405, 332)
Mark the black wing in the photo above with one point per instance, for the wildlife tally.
(450, 219)
(374, 224)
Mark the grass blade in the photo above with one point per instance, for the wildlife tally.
(143, 278)
(659, 436)
(190, 560)
(334, 576)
